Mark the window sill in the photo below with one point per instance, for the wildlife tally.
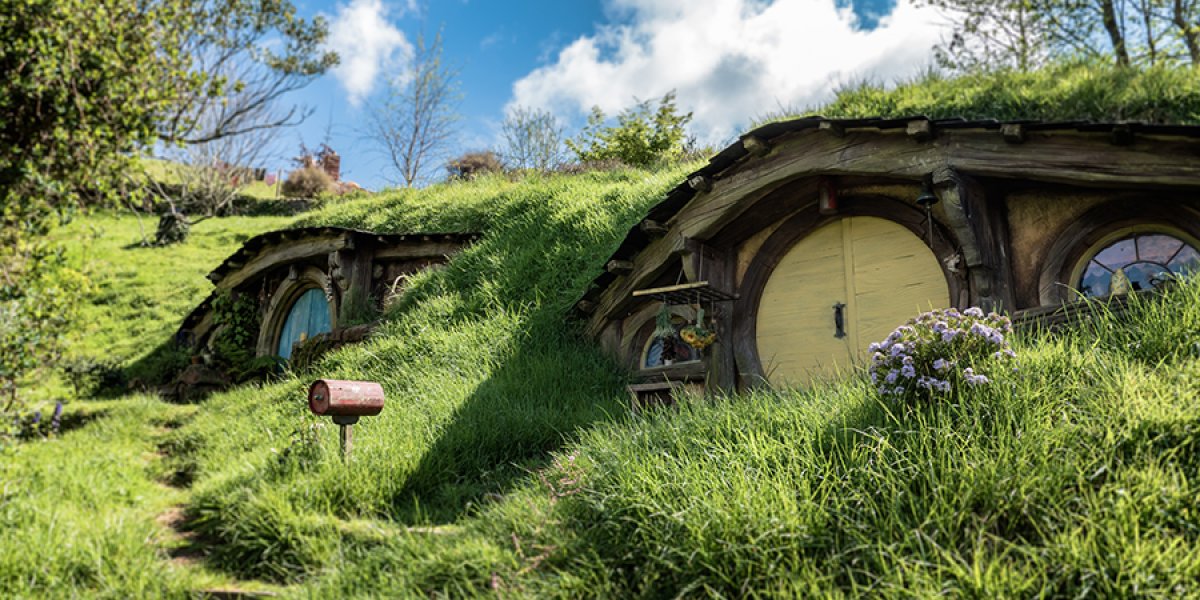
(687, 371)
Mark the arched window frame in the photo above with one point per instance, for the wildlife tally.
(679, 318)
(285, 296)
(1120, 234)
(1077, 242)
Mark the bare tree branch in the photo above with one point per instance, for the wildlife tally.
(417, 119)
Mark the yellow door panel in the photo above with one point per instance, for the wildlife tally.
(795, 315)
(880, 271)
(896, 277)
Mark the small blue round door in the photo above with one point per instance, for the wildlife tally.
(308, 316)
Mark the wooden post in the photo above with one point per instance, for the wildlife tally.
(346, 435)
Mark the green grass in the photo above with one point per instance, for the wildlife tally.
(1066, 92)
(78, 512)
(139, 295)
(506, 460)
(164, 172)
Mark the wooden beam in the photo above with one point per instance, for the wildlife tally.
(415, 249)
(700, 183)
(1014, 133)
(756, 146)
(832, 127)
(1065, 158)
(1122, 135)
(654, 229)
(920, 130)
(283, 253)
(619, 267)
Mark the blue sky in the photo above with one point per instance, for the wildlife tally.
(730, 61)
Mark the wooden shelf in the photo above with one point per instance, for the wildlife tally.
(687, 293)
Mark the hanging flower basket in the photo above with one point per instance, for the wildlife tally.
(697, 335)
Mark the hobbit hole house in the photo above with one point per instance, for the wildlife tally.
(809, 239)
(316, 288)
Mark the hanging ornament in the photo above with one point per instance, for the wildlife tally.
(697, 335)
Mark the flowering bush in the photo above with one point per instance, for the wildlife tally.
(940, 351)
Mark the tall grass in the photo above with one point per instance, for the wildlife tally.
(1063, 92)
(1077, 476)
(77, 512)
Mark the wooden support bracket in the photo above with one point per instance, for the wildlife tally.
(619, 267)
(920, 130)
(1014, 133)
(1122, 135)
(832, 127)
(756, 146)
(700, 183)
(653, 229)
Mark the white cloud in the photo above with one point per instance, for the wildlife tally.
(368, 44)
(729, 60)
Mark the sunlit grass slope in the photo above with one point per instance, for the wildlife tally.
(1067, 92)
(483, 374)
(77, 512)
(506, 460)
(138, 294)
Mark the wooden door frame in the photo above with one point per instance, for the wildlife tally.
(797, 227)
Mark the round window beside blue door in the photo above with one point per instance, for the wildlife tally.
(308, 316)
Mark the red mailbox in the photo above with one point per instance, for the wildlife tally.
(334, 398)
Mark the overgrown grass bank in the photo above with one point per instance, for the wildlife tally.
(1067, 92)
(138, 295)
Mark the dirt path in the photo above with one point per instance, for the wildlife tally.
(186, 549)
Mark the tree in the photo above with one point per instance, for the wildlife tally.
(416, 120)
(992, 34)
(532, 139)
(204, 179)
(1025, 34)
(642, 135)
(90, 85)
(242, 57)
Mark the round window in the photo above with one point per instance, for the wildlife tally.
(308, 316)
(1140, 261)
(661, 352)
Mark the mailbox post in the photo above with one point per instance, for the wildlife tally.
(345, 402)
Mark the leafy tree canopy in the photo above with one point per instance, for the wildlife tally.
(642, 135)
(89, 84)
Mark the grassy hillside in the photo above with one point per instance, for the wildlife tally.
(138, 295)
(1069, 92)
(506, 460)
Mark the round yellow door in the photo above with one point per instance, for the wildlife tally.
(845, 285)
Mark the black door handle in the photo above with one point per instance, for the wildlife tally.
(839, 320)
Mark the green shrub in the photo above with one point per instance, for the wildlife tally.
(235, 323)
(474, 164)
(307, 182)
(642, 136)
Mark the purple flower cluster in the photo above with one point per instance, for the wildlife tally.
(939, 351)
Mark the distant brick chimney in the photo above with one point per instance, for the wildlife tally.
(330, 162)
